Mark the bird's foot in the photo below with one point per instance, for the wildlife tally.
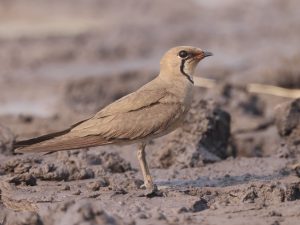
(152, 187)
(150, 191)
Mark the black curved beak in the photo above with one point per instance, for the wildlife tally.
(202, 54)
(206, 54)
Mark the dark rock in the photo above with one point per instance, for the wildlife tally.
(292, 192)
(203, 138)
(214, 126)
(26, 179)
(199, 205)
(288, 121)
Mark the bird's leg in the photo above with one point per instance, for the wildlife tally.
(141, 154)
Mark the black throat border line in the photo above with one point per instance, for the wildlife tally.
(182, 70)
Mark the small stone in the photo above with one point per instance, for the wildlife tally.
(160, 216)
(274, 213)
(66, 187)
(96, 185)
(276, 223)
(182, 210)
(78, 192)
(25, 118)
(143, 216)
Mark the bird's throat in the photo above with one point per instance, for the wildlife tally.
(184, 73)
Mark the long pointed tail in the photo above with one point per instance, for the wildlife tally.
(53, 142)
(59, 141)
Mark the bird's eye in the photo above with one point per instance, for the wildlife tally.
(183, 54)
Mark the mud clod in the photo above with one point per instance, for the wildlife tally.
(182, 210)
(66, 188)
(96, 185)
(7, 139)
(288, 121)
(19, 165)
(84, 212)
(114, 163)
(24, 218)
(206, 135)
(275, 213)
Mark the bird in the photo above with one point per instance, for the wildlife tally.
(152, 111)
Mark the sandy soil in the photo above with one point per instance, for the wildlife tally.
(235, 160)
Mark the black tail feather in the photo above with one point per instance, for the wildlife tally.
(24, 143)
(36, 140)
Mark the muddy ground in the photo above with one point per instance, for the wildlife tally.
(235, 160)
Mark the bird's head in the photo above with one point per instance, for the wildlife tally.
(182, 61)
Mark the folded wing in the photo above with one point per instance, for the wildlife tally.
(134, 117)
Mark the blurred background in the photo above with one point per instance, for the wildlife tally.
(62, 60)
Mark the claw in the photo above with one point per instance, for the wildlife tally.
(143, 186)
(148, 187)
(150, 192)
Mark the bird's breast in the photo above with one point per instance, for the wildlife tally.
(187, 96)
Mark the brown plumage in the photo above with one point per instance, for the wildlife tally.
(154, 110)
